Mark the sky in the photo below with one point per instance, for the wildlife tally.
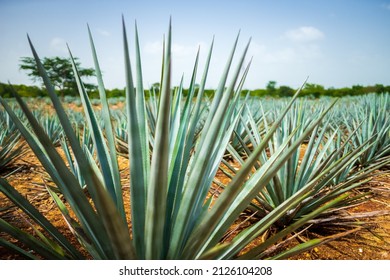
(336, 43)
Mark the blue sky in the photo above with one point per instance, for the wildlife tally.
(334, 42)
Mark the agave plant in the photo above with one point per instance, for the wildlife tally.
(11, 146)
(172, 214)
(52, 127)
(372, 121)
(321, 161)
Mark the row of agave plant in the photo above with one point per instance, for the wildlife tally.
(296, 165)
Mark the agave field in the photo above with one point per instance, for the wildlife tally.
(191, 176)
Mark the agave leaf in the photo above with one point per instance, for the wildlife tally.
(158, 185)
(141, 111)
(175, 119)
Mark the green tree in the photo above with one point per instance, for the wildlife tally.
(285, 91)
(379, 88)
(60, 73)
(115, 92)
(271, 87)
(357, 89)
(314, 90)
(23, 90)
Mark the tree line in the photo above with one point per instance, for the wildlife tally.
(310, 90)
(316, 90)
(60, 73)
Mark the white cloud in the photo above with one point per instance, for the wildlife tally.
(263, 53)
(178, 50)
(285, 54)
(257, 49)
(58, 45)
(305, 34)
(103, 32)
(183, 50)
(153, 47)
